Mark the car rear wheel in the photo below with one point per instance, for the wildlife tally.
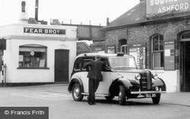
(156, 98)
(122, 95)
(77, 92)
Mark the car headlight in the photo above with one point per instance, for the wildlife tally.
(155, 76)
(138, 77)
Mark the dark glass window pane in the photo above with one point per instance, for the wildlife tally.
(124, 49)
(155, 43)
(162, 59)
(186, 35)
(158, 51)
(78, 64)
(161, 43)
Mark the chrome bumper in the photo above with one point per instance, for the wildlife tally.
(147, 92)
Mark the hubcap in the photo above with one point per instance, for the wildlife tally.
(76, 92)
(119, 96)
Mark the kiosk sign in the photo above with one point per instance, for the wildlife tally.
(44, 31)
(166, 7)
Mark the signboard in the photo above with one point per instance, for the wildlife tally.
(166, 7)
(44, 31)
(169, 56)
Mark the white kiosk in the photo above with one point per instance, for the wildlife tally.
(38, 53)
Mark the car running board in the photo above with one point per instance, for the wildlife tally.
(96, 94)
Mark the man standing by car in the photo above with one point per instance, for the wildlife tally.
(95, 76)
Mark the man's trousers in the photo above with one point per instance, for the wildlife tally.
(93, 85)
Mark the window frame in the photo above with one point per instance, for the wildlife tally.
(33, 46)
(81, 61)
(159, 49)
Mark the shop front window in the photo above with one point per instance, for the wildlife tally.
(32, 56)
(157, 50)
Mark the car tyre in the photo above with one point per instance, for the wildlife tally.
(109, 98)
(77, 92)
(122, 95)
(156, 98)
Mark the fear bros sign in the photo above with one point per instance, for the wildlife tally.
(166, 7)
(44, 31)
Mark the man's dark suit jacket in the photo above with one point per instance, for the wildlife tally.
(96, 66)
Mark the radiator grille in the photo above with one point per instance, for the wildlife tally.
(146, 81)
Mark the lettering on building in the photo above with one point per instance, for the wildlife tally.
(166, 7)
(44, 31)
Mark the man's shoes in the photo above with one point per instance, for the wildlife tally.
(91, 103)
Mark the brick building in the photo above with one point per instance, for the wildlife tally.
(157, 33)
(90, 33)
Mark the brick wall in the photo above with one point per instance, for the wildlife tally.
(141, 34)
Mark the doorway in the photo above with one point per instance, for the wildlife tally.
(61, 66)
(185, 65)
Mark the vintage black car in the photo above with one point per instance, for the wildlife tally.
(121, 78)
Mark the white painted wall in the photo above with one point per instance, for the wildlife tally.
(171, 78)
(15, 37)
(17, 30)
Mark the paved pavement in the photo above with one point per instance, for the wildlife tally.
(61, 105)
(179, 98)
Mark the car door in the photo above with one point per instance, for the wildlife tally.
(84, 73)
(104, 85)
(107, 80)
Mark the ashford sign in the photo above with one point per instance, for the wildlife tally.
(44, 31)
(166, 7)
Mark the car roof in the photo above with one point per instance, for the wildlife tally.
(101, 55)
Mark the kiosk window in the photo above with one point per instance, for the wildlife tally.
(32, 56)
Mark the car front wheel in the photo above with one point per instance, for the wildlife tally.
(77, 92)
(122, 95)
(156, 98)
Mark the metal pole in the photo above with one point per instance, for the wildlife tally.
(5, 73)
(36, 10)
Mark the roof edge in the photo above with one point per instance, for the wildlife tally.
(149, 22)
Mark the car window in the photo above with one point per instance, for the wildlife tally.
(106, 64)
(81, 63)
(78, 64)
(86, 60)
